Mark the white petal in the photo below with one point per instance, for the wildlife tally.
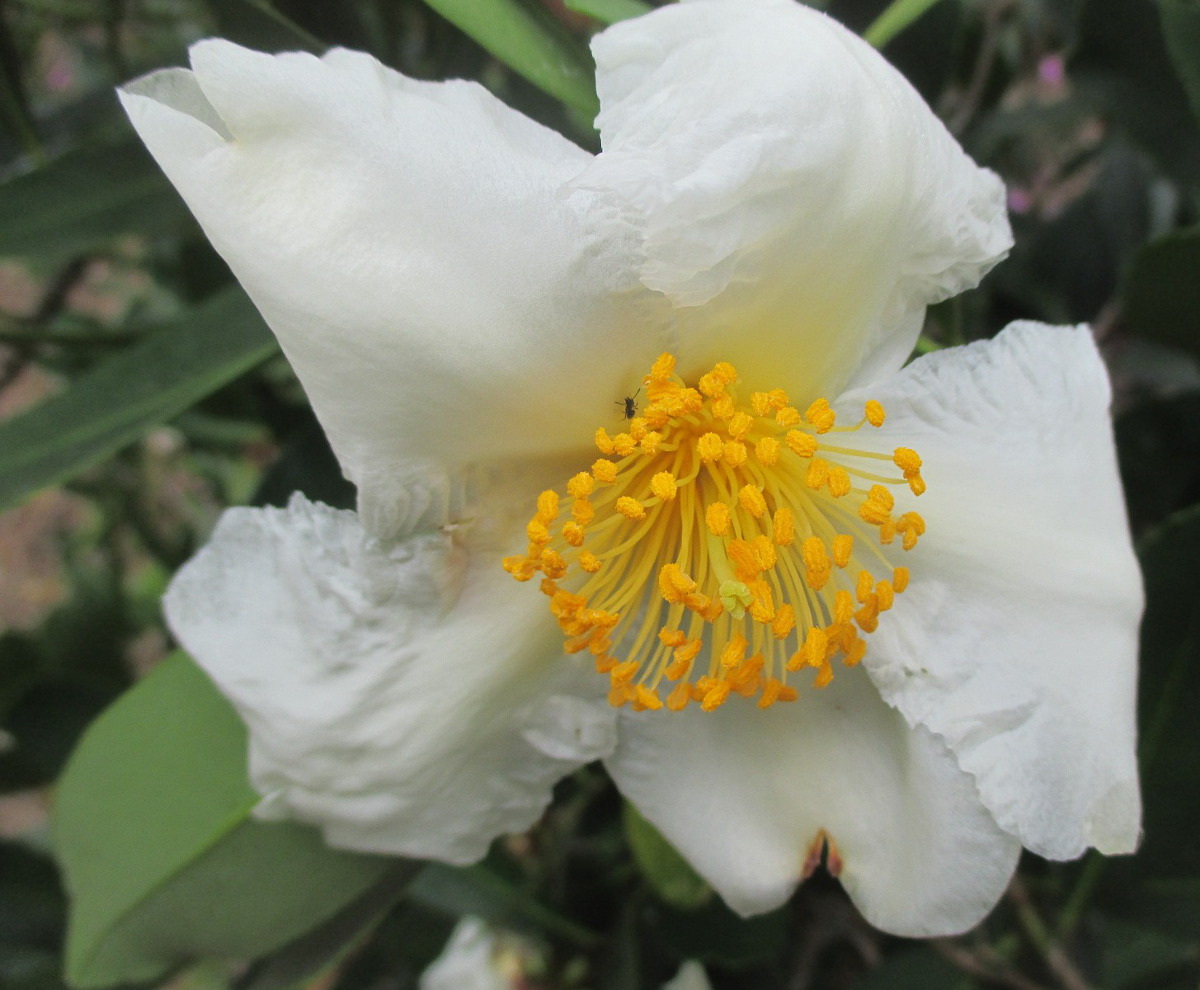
(404, 241)
(792, 184)
(1017, 638)
(691, 976)
(468, 961)
(744, 794)
(407, 697)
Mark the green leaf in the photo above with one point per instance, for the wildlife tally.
(1181, 27)
(1169, 697)
(159, 854)
(477, 890)
(898, 15)
(914, 969)
(532, 43)
(1161, 291)
(669, 874)
(117, 401)
(609, 11)
(85, 198)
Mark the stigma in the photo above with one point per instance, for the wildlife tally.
(721, 548)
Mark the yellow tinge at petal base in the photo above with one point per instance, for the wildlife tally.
(724, 548)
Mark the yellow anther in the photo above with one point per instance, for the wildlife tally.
(784, 622)
(734, 652)
(907, 460)
(778, 398)
(630, 508)
(519, 567)
(815, 645)
(620, 694)
(874, 413)
(663, 487)
(866, 584)
(582, 511)
(843, 547)
(716, 518)
(856, 652)
(537, 532)
(646, 699)
(685, 653)
(764, 550)
(887, 531)
(716, 696)
(916, 483)
(723, 407)
(604, 441)
(604, 471)
(911, 525)
(815, 557)
(581, 485)
(679, 697)
(839, 481)
(801, 444)
(867, 617)
(623, 444)
(770, 693)
(638, 428)
(725, 371)
(651, 442)
(710, 447)
(711, 385)
(783, 527)
(573, 533)
(762, 609)
(745, 561)
(751, 499)
(843, 607)
(589, 562)
(766, 449)
(623, 673)
(674, 584)
(735, 453)
(547, 506)
(554, 564)
(662, 369)
(824, 677)
(900, 579)
(760, 402)
(786, 417)
(886, 595)
(820, 415)
(818, 474)
(739, 424)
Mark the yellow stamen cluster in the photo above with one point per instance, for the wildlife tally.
(718, 549)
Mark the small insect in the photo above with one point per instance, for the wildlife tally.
(628, 405)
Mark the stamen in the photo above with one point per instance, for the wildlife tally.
(718, 549)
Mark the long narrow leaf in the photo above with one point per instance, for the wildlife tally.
(898, 15)
(531, 43)
(115, 403)
(609, 11)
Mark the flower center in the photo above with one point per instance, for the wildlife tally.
(718, 549)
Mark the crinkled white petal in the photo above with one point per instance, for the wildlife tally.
(791, 185)
(1016, 640)
(404, 241)
(744, 795)
(408, 697)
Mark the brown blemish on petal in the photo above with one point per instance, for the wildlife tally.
(822, 850)
(833, 858)
(816, 852)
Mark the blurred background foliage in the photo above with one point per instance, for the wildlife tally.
(140, 394)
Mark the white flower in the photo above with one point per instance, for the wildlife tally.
(467, 296)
